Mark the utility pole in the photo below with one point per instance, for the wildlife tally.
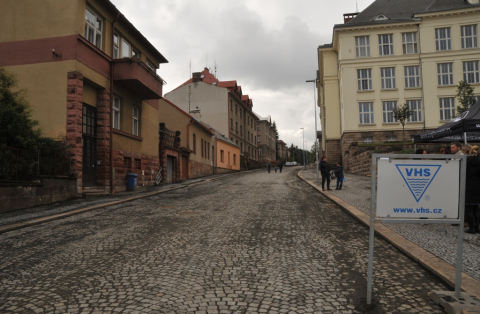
(303, 148)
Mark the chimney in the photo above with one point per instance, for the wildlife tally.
(196, 114)
(196, 77)
(347, 17)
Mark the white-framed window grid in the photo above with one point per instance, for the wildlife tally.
(116, 49)
(388, 107)
(447, 108)
(364, 77)
(93, 28)
(469, 36)
(385, 44)
(135, 121)
(365, 110)
(412, 76)
(409, 43)
(391, 139)
(388, 78)
(116, 113)
(416, 106)
(150, 65)
(368, 140)
(445, 74)
(362, 46)
(470, 72)
(125, 47)
(443, 39)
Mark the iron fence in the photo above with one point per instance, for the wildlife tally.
(22, 165)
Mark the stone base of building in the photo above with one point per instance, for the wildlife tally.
(224, 170)
(198, 169)
(128, 162)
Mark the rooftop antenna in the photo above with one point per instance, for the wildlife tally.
(215, 63)
(356, 3)
(190, 86)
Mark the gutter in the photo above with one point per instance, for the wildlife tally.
(421, 75)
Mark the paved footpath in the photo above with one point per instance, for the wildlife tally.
(249, 243)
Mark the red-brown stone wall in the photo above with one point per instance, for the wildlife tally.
(103, 138)
(332, 151)
(198, 169)
(148, 163)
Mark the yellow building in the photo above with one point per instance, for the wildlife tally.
(395, 52)
(92, 83)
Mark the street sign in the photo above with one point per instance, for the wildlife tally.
(418, 189)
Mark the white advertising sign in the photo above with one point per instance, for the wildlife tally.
(418, 188)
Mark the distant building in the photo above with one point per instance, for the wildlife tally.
(267, 140)
(395, 52)
(282, 150)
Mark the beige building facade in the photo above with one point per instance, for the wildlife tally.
(266, 140)
(395, 52)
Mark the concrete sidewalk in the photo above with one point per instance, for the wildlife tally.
(432, 245)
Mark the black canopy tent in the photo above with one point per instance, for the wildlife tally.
(465, 127)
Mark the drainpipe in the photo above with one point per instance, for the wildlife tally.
(188, 134)
(421, 73)
(112, 191)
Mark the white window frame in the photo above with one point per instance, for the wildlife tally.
(93, 28)
(368, 140)
(447, 108)
(416, 106)
(443, 39)
(362, 46)
(469, 36)
(116, 49)
(388, 78)
(409, 43)
(385, 44)
(135, 121)
(412, 76)
(116, 106)
(445, 74)
(391, 139)
(364, 79)
(470, 72)
(151, 66)
(125, 48)
(366, 113)
(388, 107)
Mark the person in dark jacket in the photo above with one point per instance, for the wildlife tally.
(280, 166)
(339, 175)
(472, 188)
(269, 165)
(325, 171)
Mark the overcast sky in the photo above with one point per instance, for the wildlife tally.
(267, 46)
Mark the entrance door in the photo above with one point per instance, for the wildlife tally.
(184, 167)
(89, 136)
(169, 169)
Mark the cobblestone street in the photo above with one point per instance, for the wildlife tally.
(248, 243)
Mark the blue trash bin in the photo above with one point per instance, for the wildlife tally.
(131, 181)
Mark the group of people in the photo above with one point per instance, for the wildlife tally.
(279, 166)
(325, 172)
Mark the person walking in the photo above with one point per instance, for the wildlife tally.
(472, 188)
(339, 175)
(280, 166)
(325, 172)
(269, 166)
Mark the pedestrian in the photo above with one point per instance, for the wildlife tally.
(456, 148)
(472, 188)
(280, 166)
(325, 171)
(339, 175)
(269, 166)
(276, 167)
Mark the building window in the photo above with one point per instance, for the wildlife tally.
(388, 78)
(127, 162)
(391, 138)
(260, 152)
(409, 43)
(115, 46)
(208, 150)
(135, 121)
(364, 77)
(137, 164)
(231, 105)
(447, 108)
(442, 39)
(194, 143)
(116, 113)
(470, 72)
(234, 159)
(248, 138)
(241, 131)
(125, 48)
(241, 147)
(135, 53)
(412, 76)
(255, 139)
(222, 157)
(236, 108)
(231, 124)
(445, 74)
(201, 144)
(151, 66)
(362, 45)
(93, 28)
(236, 127)
(366, 112)
(388, 107)
(368, 140)
(416, 107)
(385, 44)
(469, 36)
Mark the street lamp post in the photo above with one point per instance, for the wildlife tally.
(316, 139)
(306, 147)
(303, 148)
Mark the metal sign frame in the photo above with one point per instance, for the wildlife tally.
(459, 221)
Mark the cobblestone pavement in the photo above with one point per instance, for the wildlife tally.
(250, 243)
(440, 240)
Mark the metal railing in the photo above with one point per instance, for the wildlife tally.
(22, 165)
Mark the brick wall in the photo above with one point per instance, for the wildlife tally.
(103, 138)
(147, 163)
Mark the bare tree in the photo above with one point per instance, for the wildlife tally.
(401, 114)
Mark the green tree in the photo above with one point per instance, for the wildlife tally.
(465, 97)
(277, 155)
(401, 114)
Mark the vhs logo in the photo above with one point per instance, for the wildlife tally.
(418, 178)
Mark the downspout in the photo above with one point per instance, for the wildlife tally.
(112, 191)
(421, 74)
